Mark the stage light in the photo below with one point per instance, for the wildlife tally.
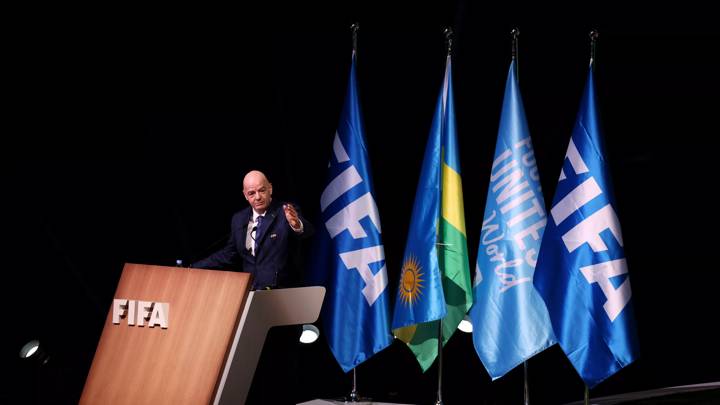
(33, 351)
(465, 325)
(310, 333)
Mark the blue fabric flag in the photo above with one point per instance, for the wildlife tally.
(349, 257)
(435, 277)
(581, 271)
(510, 321)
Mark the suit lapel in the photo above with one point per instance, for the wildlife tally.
(268, 221)
(244, 222)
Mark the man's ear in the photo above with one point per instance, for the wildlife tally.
(270, 188)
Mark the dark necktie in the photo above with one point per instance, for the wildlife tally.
(258, 231)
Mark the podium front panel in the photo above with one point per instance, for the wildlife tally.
(179, 364)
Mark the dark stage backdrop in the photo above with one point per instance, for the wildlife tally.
(133, 135)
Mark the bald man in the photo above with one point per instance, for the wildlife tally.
(262, 237)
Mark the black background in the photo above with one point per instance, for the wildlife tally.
(130, 130)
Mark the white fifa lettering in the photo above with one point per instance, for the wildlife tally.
(349, 217)
(360, 260)
(601, 273)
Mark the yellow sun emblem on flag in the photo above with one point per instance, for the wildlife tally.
(411, 282)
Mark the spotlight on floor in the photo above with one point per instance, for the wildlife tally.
(310, 333)
(465, 325)
(33, 351)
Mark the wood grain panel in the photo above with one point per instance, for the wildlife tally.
(177, 365)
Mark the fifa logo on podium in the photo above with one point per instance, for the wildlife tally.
(138, 313)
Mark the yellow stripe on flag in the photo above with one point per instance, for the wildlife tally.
(452, 198)
(406, 333)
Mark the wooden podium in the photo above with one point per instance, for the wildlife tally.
(188, 336)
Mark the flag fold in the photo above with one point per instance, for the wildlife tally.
(510, 321)
(581, 271)
(349, 256)
(435, 277)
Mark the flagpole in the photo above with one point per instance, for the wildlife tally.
(526, 387)
(354, 396)
(449, 39)
(593, 43)
(439, 392)
(448, 42)
(515, 57)
(515, 34)
(355, 27)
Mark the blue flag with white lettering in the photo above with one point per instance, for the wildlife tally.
(581, 271)
(349, 257)
(510, 321)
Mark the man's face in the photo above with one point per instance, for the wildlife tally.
(258, 192)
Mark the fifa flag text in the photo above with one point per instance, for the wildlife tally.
(589, 231)
(349, 218)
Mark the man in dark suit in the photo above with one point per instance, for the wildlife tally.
(263, 237)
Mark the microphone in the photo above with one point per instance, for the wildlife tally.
(209, 249)
(250, 238)
(274, 285)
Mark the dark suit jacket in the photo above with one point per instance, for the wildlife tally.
(275, 263)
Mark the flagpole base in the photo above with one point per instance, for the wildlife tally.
(356, 398)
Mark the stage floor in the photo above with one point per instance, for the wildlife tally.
(708, 393)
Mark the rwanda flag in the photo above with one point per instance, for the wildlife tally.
(510, 321)
(349, 257)
(581, 270)
(435, 276)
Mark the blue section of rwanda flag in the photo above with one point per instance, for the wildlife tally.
(435, 278)
(510, 321)
(581, 270)
(349, 256)
(420, 295)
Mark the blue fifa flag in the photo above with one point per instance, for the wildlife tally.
(581, 271)
(349, 257)
(510, 321)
